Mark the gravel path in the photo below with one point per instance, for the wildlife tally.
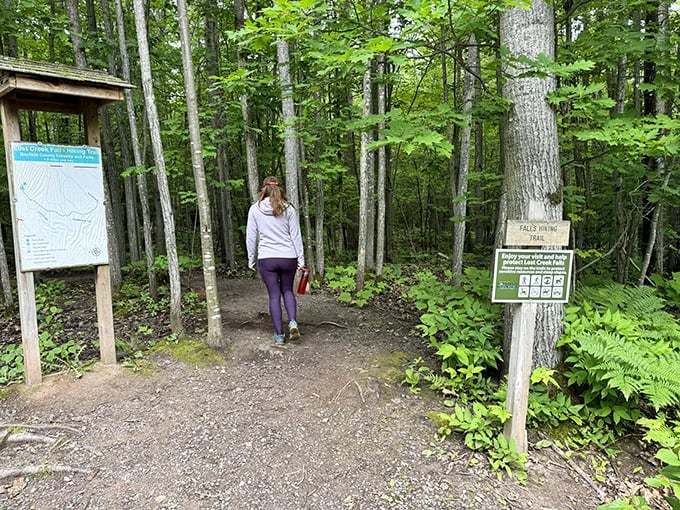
(322, 423)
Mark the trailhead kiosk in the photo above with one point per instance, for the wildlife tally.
(56, 191)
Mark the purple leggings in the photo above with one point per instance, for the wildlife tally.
(278, 276)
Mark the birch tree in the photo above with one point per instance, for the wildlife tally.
(532, 169)
(161, 177)
(209, 272)
(147, 224)
(382, 171)
(364, 187)
(290, 142)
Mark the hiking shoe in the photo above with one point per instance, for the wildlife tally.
(279, 339)
(293, 330)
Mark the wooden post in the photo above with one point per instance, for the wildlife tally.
(25, 283)
(107, 342)
(519, 370)
(521, 352)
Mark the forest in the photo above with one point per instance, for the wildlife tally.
(406, 133)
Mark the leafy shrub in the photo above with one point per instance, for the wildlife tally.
(462, 325)
(622, 356)
(343, 280)
(669, 288)
(12, 366)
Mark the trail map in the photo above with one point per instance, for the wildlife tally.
(59, 203)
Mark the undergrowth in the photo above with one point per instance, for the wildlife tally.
(622, 357)
(59, 351)
(342, 279)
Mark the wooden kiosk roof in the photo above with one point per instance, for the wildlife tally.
(47, 86)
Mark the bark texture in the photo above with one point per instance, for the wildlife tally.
(531, 155)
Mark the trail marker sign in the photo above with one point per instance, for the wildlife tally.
(536, 233)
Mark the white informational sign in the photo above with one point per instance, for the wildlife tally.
(59, 203)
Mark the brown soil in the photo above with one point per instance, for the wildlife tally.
(322, 423)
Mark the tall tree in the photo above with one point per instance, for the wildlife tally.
(209, 270)
(460, 199)
(365, 175)
(290, 141)
(176, 325)
(382, 169)
(218, 122)
(147, 224)
(532, 169)
(112, 231)
(251, 147)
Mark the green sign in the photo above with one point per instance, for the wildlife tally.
(524, 276)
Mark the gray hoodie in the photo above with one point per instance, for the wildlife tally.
(269, 236)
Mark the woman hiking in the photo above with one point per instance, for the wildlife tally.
(273, 240)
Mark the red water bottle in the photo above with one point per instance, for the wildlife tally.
(302, 287)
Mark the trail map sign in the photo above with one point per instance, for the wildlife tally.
(524, 276)
(59, 194)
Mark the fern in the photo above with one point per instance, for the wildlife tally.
(617, 354)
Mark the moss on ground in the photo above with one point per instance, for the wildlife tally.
(190, 351)
(390, 366)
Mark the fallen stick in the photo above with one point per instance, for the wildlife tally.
(582, 473)
(42, 426)
(42, 469)
(331, 324)
(27, 437)
(361, 393)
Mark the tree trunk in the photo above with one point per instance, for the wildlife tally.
(147, 224)
(290, 145)
(655, 235)
(460, 199)
(109, 167)
(382, 171)
(532, 169)
(76, 33)
(9, 39)
(209, 271)
(217, 123)
(251, 147)
(161, 177)
(4, 273)
(364, 185)
(319, 216)
(107, 139)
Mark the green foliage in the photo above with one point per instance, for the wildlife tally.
(12, 366)
(462, 326)
(56, 353)
(343, 280)
(548, 405)
(667, 434)
(622, 355)
(480, 427)
(669, 288)
(133, 298)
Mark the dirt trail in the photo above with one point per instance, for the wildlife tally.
(318, 424)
